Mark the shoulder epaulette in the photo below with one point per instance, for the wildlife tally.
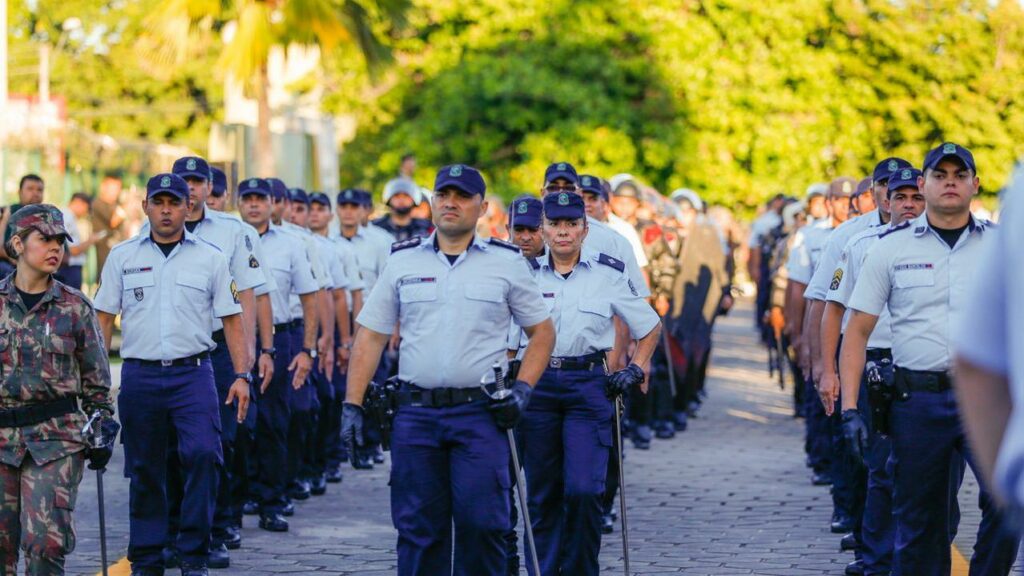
(533, 263)
(410, 243)
(902, 226)
(503, 244)
(208, 243)
(613, 262)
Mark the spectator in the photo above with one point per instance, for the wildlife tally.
(30, 191)
(107, 216)
(77, 252)
(407, 169)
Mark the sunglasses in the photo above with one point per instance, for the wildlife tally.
(556, 188)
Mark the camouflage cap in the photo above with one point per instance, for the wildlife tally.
(46, 218)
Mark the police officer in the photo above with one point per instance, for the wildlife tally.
(874, 533)
(567, 428)
(920, 270)
(343, 264)
(371, 247)
(287, 260)
(524, 220)
(452, 295)
(218, 198)
(401, 195)
(166, 300)
(51, 354)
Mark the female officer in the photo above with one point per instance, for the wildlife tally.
(51, 354)
(567, 427)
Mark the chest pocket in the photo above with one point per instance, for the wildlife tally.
(486, 301)
(137, 287)
(192, 292)
(593, 306)
(914, 278)
(59, 362)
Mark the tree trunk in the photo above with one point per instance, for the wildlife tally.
(264, 144)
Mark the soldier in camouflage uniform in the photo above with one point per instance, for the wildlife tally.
(51, 355)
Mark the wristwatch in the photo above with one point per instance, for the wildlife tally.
(272, 352)
(311, 352)
(247, 376)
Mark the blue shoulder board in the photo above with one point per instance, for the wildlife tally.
(411, 242)
(533, 263)
(613, 262)
(503, 244)
(902, 226)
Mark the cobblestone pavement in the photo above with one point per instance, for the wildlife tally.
(729, 496)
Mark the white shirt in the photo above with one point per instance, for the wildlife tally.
(805, 253)
(844, 278)
(829, 258)
(629, 232)
(764, 224)
(989, 331)
(71, 225)
(925, 284)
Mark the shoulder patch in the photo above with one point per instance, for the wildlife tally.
(902, 226)
(533, 263)
(410, 243)
(613, 262)
(503, 244)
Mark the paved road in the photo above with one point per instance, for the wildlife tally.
(729, 496)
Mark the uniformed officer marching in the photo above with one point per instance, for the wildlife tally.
(218, 198)
(51, 354)
(452, 295)
(287, 260)
(921, 270)
(166, 302)
(567, 428)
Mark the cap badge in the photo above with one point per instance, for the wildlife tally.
(190, 164)
(522, 208)
(893, 165)
(455, 171)
(252, 183)
(348, 194)
(585, 181)
(847, 187)
(949, 148)
(165, 181)
(561, 166)
(563, 199)
(905, 175)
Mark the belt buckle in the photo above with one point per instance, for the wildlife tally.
(166, 363)
(442, 397)
(555, 362)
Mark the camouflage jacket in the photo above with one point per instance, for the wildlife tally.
(52, 351)
(662, 264)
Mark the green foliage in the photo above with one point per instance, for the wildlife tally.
(735, 99)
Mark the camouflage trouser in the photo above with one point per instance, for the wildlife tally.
(35, 513)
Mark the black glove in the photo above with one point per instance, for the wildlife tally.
(103, 448)
(620, 382)
(507, 411)
(352, 429)
(855, 433)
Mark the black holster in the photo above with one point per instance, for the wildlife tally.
(382, 401)
(513, 372)
(881, 381)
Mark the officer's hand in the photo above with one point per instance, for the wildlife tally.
(99, 454)
(828, 391)
(661, 305)
(325, 352)
(342, 359)
(265, 365)
(620, 382)
(508, 410)
(239, 391)
(394, 342)
(352, 429)
(301, 365)
(855, 433)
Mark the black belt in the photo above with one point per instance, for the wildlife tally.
(37, 413)
(218, 337)
(923, 380)
(586, 362)
(286, 326)
(876, 354)
(194, 360)
(410, 395)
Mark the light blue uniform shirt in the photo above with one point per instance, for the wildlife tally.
(317, 262)
(602, 239)
(808, 245)
(454, 317)
(371, 251)
(844, 278)
(925, 283)
(582, 305)
(828, 261)
(347, 255)
(166, 302)
(989, 331)
(288, 262)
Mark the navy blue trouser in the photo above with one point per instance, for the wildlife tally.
(819, 437)
(336, 451)
(271, 438)
(224, 377)
(927, 440)
(567, 437)
(301, 402)
(449, 466)
(155, 403)
(849, 479)
(323, 418)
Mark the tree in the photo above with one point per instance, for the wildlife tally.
(180, 28)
